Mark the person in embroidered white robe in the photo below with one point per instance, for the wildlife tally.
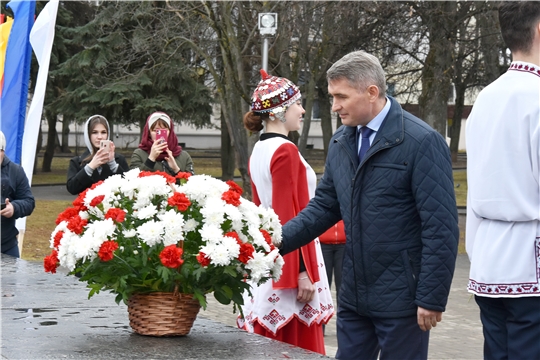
(503, 203)
(293, 309)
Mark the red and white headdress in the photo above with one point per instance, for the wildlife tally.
(274, 94)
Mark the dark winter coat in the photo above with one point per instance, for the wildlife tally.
(400, 217)
(16, 188)
(78, 180)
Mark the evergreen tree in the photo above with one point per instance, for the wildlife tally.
(131, 64)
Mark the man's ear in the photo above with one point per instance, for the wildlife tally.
(373, 91)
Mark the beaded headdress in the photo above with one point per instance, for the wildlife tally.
(274, 94)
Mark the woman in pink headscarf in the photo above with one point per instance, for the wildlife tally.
(159, 155)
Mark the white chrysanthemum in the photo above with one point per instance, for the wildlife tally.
(218, 254)
(132, 174)
(258, 238)
(147, 212)
(129, 233)
(213, 211)
(103, 229)
(66, 253)
(211, 233)
(232, 247)
(151, 232)
(233, 212)
(174, 226)
(259, 266)
(115, 182)
(202, 187)
(190, 225)
(278, 262)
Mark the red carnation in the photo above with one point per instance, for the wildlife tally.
(78, 203)
(183, 175)
(234, 235)
(66, 215)
(50, 263)
(268, 238)
(246, 252)
(168, 178)
(57, 239)
(106, 251)
(95, 185)
(116, 214)
(179, 200)
(231, 197)
(234, 187)
(171, 256)
(203, 259)
(76, 224)
(97, 200)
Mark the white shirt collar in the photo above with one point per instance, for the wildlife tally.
(377, 121)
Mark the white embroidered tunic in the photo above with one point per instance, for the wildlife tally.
(503, 202)
(274, 308)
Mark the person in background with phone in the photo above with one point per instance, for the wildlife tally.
(159, 149)
(16, 199)
(98, 162)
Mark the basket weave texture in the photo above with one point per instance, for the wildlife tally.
(162, 313)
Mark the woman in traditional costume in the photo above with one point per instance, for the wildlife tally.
(294, 308)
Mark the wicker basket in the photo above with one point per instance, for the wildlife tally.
(162, 313)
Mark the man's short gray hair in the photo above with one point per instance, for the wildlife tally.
(360, 69)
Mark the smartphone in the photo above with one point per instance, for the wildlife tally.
(161, 135)
(104, 144)
(3, 206)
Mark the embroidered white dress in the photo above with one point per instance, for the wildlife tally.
(503, 204)
(270, 307)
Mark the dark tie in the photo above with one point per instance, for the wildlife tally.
(364, 145)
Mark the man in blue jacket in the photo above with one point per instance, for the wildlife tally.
(388, 175)
(16, 199)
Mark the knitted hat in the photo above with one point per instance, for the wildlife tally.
(158, 115)
(274, 94)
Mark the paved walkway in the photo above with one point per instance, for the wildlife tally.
(458, 336)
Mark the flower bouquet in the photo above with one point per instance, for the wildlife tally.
(148, 232)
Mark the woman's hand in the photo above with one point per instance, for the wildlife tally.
(306, 289)
(111, 150)
(101, 157)
(171, 161)
(156, 150)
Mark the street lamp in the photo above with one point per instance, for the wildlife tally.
(267, 26)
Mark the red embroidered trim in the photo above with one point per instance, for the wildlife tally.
(510, 290)
(525, 68)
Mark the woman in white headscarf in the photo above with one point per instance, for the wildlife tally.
(96, 163)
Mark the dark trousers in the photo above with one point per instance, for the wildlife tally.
(333, 260)
(511, 327)
(14, 251)
(361, 337)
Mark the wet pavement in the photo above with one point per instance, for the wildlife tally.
(48, 316)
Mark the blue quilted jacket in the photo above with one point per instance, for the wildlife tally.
(400, 217)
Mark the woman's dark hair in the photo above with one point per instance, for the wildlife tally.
(518, 20)
(254, 121)
(91, 125)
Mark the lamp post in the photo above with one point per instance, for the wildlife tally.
(267, 26)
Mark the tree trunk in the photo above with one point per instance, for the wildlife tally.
(437, 72)
(307, 116)
(227, 153)
(51, 142)
(326, 118)
(64, 147)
